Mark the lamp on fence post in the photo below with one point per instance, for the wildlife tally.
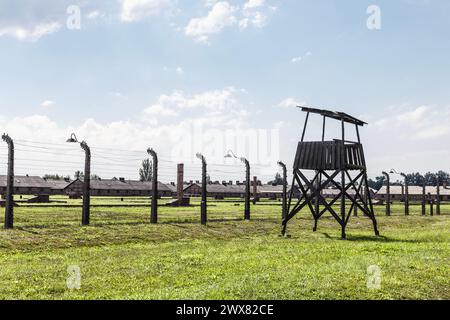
(9, 201)
(230, 154)
(154, 210)
(203, 214)
(388, 193)
(406, 191)
(283, 212)
(87, 179)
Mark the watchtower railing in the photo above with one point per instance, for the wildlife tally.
(329, 155)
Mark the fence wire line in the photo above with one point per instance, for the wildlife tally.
(116, 153)
(113, 158)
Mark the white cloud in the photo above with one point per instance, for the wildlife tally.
(215, 100)
(251, 4)
(31, 20)
(160, 110)
(32, 33)
(254, 13)
(210, 3)
(290, 103)
(210, 122)
(118, 95)
(47, 103)
(135, 10)
(178, 70)
(220, 16)
(435, 131)
(417, 123)
(95, 14)
(301, 58)
(414, 117)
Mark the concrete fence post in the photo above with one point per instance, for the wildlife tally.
(9, 201)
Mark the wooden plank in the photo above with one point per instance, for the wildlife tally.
(301, 154)
(314, 163)
(325, 156)
(320, 157)
(333, 156)
(308, 156)
(347, 158)
(298, 155)
(356, 156)
(338, 155)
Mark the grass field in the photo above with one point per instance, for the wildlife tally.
(122, 256)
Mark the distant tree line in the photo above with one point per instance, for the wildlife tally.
(77, 175)
(277, 181)
(415, 179)
(55, 177)
(80, 175)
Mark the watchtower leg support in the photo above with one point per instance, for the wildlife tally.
(310, 196)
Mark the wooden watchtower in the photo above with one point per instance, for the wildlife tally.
(328, 161)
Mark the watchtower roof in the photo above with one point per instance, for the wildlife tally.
(335, 115)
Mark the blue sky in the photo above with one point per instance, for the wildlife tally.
(141, 73)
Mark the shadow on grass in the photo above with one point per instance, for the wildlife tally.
(26, 228)
(363, 238)
(117, 222)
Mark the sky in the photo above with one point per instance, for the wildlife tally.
(210, 76)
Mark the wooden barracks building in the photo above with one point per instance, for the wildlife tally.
(33, 185)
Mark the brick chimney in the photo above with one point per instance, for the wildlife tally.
(180, 177)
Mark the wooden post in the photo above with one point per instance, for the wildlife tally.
(304, 127)
(247, 189)
(255, 189)
(9, 201)
(423, 198)
(319, 182)
(203, 211)
(343, 213)
(406, 195)
(431, 204)
(154, 209)
(388, 193)
(85, 220)
(438, 197)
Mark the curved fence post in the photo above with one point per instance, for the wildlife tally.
(284, 199)
(154, 210)
(203, 212)
(9, 201)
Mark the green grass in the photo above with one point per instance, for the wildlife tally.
(122, 256)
